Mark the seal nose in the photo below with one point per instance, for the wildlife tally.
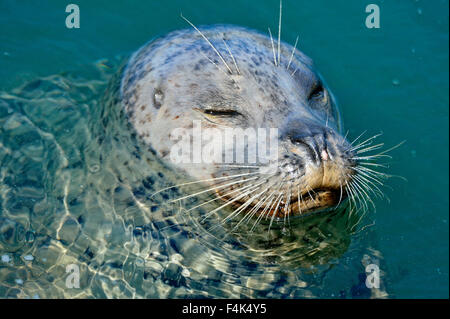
(316, 145)
(311, 136)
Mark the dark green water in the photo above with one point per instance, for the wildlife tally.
(393, 79)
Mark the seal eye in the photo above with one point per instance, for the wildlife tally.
(317, 92)
(224, 113)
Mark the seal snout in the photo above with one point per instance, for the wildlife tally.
(325, 165)
(317, 146)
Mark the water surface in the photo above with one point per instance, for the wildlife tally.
(62, 201)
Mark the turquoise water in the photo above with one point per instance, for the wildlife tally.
(393, 79)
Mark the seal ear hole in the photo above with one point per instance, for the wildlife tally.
(158, 97)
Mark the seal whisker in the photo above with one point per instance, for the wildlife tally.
(377, 192)
(340, 196)
(274, 213)
(364, 195)
(214, 63)
(362, 229)
(363, 192)
(213, 188)
(358, 137)
(370, 175)
(345, 136)
(202, 181)
(276, 208)
(242, 207)
(369, 170)
(301, 198)
(371, 157)
(245, 205)
(367, 140)
(360, 145)
(359, 220)
(375, 178)
(392, 148)
(268, 207)
(276, 196)
(261, 216)
(253, 211)
(374, 174)
(359, 196)
(261, 202)
(239, 166)
(231, 201)
(364, 144)
(217, 198)
(273, 48)
(209, 42)
(350, 199)
(232, 56)
(275, 205)
(370, 148)
(352, 195)
(292, 54)
(368, 179)
(263, 212)
(255, 208)
(374, 164)
(279, 32)
(287, 206)
(312, 197)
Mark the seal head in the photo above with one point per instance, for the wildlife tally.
(221, 77)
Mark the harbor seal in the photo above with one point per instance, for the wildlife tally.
(225, 76)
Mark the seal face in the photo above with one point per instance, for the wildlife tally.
(232, 77)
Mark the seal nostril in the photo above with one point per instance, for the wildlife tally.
(309, 145)
(317, 145)
(324, 155)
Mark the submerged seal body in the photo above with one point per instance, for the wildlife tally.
(231, 77)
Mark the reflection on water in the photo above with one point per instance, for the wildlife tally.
(77, 187)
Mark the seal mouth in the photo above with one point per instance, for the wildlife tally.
(311, 201)
(314, 201)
